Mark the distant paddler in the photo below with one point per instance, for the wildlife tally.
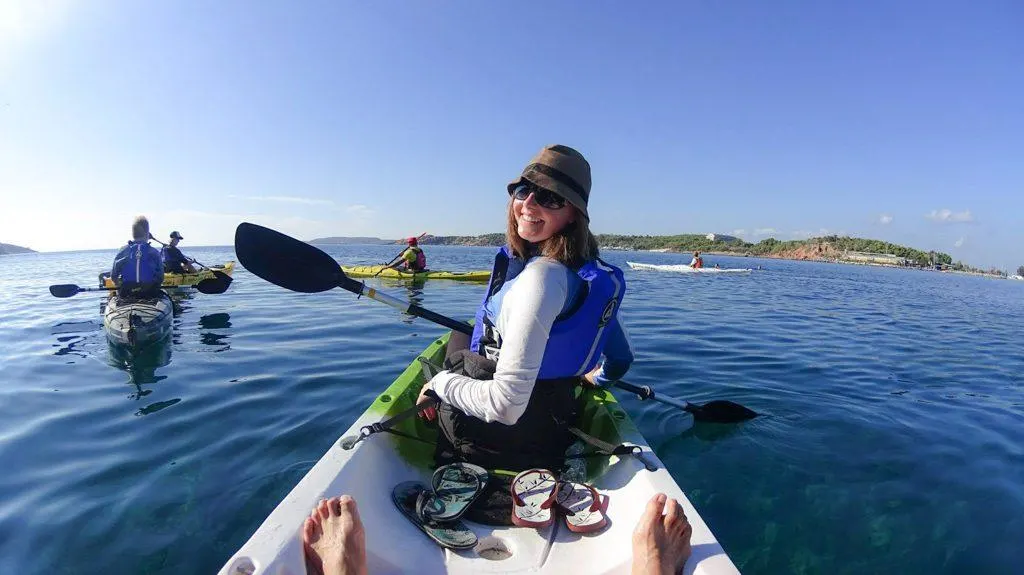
(174, 260)
(697, 261)
(412, 259)
(138, 268)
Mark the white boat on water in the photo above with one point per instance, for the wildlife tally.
(685, 269)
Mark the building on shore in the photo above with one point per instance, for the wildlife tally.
(875, 259)
(722, 238)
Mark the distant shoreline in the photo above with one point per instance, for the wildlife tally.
(11, 249)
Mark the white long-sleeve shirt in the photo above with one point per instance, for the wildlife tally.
(528, 310)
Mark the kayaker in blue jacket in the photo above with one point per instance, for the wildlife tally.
(549, 314)
(174, 260)
(138, 269)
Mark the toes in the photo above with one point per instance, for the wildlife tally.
(323, 509)
(349, 511)
(673, 512)
(654, 508)
(334, 506)
(650, 517)
(308, 530)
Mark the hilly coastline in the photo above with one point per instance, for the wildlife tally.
(825, 248)
(819, 248)
(339, 240)
(13, 249)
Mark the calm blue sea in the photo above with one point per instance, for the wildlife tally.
(892, 441)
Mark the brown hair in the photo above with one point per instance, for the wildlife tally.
(573, 245)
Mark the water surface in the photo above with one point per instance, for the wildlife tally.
(893, 435)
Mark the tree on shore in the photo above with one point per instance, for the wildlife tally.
(1020, 271)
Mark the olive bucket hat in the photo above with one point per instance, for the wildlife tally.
(562, 170)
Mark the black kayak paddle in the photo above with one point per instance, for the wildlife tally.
(210, 286)
(297, 266)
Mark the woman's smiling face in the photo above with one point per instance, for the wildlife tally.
(535, 223)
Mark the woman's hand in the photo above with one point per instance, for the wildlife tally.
(588, 378)
(430, 413)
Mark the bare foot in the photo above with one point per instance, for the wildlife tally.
(333, 538)
(661, 539)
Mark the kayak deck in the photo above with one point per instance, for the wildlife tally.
(179, 280)
(369, 471)
(138, 323)
(382, 272)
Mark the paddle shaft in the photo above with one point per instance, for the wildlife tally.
(223, 280)
(361, 288)
(82, 289)
(200, 264)
(644, 392)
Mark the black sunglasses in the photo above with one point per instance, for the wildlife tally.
(544, 198)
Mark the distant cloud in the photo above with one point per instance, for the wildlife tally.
(884, 219)
(286, 200)
(945, 216)
(764, 231)
(959, 242)
(739, 232)
(359, 210)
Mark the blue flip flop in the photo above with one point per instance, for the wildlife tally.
(451, 534)
(455, 487)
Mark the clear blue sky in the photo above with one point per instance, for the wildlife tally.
(895, 120)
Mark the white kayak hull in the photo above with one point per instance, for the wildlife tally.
(369, 472)
(685, 269)
(136, 323)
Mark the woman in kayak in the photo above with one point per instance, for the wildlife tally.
(549, 313)
(334, 539)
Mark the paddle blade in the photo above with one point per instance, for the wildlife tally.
(721, 411)
(214, 285)
(285, 261)
(64, 290)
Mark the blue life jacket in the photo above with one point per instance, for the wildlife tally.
(578, 335)
(140, 263)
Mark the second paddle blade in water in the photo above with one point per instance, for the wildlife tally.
(721, 411)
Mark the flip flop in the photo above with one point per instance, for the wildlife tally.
(582, 506)
(451, 535)
(456, 487)
(533, 494)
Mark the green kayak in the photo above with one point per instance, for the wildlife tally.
(374, 466)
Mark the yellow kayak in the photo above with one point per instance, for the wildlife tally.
(376, 271)
(180, 280)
